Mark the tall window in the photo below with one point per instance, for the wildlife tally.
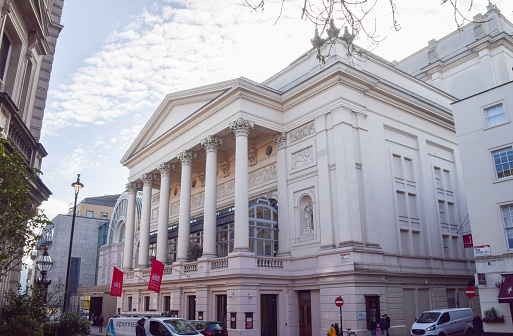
(4, 55)
(152, 252)
(507, 218)
(495, 115)
(263, 228)
(224, 242)
(503, 161)
(171, 249)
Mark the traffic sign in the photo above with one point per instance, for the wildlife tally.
(339, 302)
(470, 291)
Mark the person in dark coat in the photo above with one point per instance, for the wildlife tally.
(383, 325)
(100, 322)
(337, 330)
(373, 325)
(139, 329)
(478, 325)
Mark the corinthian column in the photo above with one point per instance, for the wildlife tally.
(211, 144)
(184, 225)
(144, 233)
(130, 223)
(165, 170)
(241, 128)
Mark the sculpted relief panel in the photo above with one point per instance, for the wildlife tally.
(262, 175)
(302, 158)
(301, 133)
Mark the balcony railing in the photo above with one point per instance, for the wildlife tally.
(219, 263)
(269, 263)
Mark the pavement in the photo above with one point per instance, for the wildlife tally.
(96, 331)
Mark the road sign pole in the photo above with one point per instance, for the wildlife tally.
(341, 328)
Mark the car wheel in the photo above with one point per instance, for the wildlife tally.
(470, 332)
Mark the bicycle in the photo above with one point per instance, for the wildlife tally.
(348, 332)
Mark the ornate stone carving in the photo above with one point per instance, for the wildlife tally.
(241, 127)
(211, 143)
(147, 179)
(197, 200)
(252, 157)
(155, 214)
(132, 187)
(175, 208)
(202, 179)
(186, 157)
(302, 158)
(226, 189)
(262, 175)
(166, 169)
(225, 167)
(281, 141)
(301, 133)
(155, 198)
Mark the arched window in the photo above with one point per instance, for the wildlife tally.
(263, 228)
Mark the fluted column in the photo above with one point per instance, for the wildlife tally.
(165, 170)
(281, 167)
(241, 128)
(130, 226)
(211, 144)
(144, 233)
(184, 221)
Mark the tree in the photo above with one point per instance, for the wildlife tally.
(19, 219)
(356, 16)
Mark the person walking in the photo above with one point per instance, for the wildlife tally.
(388, 320)
(100, 322)
(383, 325)
(337, 330)
(332, 331)
(373, 325)
(139, 329)
(478, 325)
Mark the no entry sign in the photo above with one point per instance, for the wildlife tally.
(339, 302)
(470, 291)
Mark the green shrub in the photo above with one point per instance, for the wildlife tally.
(68, 324)
(21, 325)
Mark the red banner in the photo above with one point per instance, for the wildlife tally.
(157, 269)
(467, 241)
(117, 283)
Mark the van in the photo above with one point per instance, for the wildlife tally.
(444, 322)
(156, 326)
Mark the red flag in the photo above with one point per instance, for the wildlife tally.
(117, 283)
(157, 269)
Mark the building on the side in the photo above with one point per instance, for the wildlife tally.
(485, 137)
(29, 32)
(96, 207)
(326, 180)
(470, 60)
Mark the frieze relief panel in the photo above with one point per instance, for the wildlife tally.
(303, 157)
(155, 198)
(175, 208)
(197, 200)
(262, 175)
(226, 189)
(301, 133)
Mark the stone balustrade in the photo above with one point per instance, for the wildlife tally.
(219, 263)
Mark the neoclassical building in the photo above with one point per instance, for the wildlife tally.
(326, 180)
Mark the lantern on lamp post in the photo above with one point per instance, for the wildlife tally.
(44, 263)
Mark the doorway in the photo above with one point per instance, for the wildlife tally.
(305, 313)
(191, 307)
(221, 305)
(269, 314)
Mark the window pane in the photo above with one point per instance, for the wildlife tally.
(507, 215)
(495, 115)
(503, 160)
(509, 236)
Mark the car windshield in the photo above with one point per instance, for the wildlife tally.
(428, 317)
(214, 326)
(181, 327)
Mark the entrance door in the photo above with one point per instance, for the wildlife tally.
(221, 305)
(269, 314)
(305, 313)
(191, 307)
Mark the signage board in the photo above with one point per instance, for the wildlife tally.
(480, 251)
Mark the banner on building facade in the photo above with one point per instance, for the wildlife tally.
(467, 241)
(157, 269)
(117, 283)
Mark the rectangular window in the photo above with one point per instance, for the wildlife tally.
(408, 170)
(507, 218)
(441, 210)
(129, 303)
(89, 214)
(438, 178)
(405, 242)
(495, 115)
(445, 240)
(503, 161)
(4, 55)
(455, 247)
(146, 303)
(398, 167)
(401, 204)
(104, 215)
(167, 303)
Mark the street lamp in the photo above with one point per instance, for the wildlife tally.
(44, 263)
(77, 185)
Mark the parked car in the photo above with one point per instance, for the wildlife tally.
(210, 328)
(444, 322)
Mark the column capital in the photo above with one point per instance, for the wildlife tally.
(166, 169)
(211, 143)
(132, 187)
(186, 157)
(241, 127)
(147, 179)
(280, 141)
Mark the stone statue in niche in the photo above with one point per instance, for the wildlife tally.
(308, 220)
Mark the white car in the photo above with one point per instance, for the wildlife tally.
(444, 322)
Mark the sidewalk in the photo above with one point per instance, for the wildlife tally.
(96, 331)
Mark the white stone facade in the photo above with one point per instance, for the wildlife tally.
(351, 186)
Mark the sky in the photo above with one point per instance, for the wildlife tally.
(116, 60)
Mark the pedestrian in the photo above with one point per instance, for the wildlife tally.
(383, 325)
(332, 331)
(139, 329)
(388, 320)
(337, 330)
(100, 322)
(373, 326)
(92, 319)
(478, 325)
(95, 321)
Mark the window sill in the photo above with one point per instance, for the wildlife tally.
(504, 179)
(497, 125)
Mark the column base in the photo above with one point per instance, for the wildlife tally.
(207, 257)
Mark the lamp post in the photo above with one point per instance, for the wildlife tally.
(77, 185)
(44, 263)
